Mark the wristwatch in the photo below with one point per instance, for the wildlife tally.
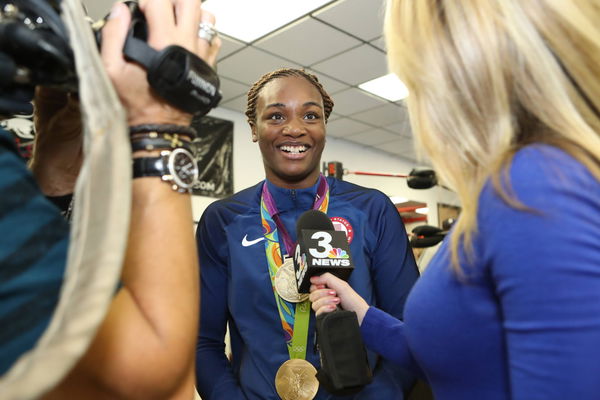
(177, 167)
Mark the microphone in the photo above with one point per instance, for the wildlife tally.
(320, 249)
(344, 365)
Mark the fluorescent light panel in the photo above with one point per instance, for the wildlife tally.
(248, 20)
(388, 86)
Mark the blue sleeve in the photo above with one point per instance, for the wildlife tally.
(214, 375)
(33, 251)
(384, 334)
(546, 267)
(394, 272)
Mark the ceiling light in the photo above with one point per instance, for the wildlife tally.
(247, 20)
(422, 210)
(388, 86)
(398, 199)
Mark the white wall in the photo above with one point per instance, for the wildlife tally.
(248, 168)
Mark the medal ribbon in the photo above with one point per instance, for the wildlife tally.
(294, 319)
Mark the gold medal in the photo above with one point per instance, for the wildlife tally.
(285, 283)
(296, 379)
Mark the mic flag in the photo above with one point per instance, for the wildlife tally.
(320, 249)
(344, 365)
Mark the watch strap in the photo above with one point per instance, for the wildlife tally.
(176, 167)
(149, 166)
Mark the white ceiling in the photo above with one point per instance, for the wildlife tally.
(342, 44)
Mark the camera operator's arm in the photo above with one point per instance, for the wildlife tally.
(145, 346)
(58, 151)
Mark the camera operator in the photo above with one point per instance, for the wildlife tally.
(145, 346)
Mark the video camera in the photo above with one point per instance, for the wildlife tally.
(35, 50)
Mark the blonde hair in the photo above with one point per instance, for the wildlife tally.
(488, 77)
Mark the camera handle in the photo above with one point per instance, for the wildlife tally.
(179, 76)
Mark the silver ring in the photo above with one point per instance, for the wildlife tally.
(207, 32)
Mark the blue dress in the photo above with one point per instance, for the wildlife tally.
(524, 320)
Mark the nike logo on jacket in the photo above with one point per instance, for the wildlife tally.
(246, 242)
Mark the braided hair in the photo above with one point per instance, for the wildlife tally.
(281, 73)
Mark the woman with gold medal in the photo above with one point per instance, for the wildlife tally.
(247, 276)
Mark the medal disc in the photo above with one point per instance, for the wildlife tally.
(296, 380)
(285, 283)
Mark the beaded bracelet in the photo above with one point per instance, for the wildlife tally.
(149, 143)
(164, 128)
(175, 138)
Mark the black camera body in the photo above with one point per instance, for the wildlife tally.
(35, 50)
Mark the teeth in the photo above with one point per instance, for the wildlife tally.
(294, 149)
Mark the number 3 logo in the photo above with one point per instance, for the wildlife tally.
(324, 243)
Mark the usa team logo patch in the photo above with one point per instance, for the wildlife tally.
(342, 224)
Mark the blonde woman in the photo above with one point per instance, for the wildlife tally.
(505, 100)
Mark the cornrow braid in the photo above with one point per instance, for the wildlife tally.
(281, 73)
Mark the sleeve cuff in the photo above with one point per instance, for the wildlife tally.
(373, 320)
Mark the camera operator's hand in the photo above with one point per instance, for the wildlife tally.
(58, 148)
(143, 349)
(169, 22)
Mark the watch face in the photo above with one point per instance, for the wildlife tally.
(183, 168)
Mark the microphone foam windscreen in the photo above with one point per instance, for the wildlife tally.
(313, 219)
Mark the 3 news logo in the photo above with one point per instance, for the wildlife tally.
(301, 262)
(321, 251)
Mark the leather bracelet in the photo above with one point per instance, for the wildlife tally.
(159, 142)
(171, 137)
(164, 128)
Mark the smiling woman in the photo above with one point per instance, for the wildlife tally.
(290, 131)
(241, 273)
(287, 112)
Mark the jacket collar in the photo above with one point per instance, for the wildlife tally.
(293, 199)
